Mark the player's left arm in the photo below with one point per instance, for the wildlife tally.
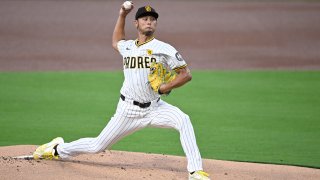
(183, 76)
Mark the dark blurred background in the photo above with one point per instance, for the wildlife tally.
(76, 34)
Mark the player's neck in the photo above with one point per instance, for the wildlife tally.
(143, 39)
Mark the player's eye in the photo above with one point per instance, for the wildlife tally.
(152, 19)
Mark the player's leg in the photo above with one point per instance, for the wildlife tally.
(168, 116)
(115, 129)
(118, 127)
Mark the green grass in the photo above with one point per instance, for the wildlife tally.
(263, 116)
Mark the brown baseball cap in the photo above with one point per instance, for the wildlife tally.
(146, 11)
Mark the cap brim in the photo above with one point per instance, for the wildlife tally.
(153, 14)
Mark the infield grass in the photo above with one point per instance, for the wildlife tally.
(256, 116)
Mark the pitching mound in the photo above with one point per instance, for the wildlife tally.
(129, 165)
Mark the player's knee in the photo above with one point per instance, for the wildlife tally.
(184, 120)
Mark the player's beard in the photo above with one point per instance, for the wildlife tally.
(148, 33)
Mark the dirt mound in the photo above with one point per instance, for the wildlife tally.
(130, 165)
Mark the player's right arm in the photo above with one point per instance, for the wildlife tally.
(118, 32)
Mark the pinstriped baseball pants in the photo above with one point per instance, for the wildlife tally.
(130, 118)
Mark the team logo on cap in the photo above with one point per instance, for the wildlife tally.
(148, 8)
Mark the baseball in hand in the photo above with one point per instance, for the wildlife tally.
(127, 5)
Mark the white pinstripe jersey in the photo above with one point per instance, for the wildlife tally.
(136, 66)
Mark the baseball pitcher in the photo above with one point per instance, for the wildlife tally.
(151, 68)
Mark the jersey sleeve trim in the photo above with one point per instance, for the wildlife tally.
(138, 45)
(180, 67)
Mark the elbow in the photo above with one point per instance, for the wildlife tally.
(185, 75)
(188, 77)
(114, 45)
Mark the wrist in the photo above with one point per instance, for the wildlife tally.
(164, 89)
(123, 15)
(159, 92)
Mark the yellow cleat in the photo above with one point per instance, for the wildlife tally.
(199, 175)
(46, 151)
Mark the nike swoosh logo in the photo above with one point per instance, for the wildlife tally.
(128, 49)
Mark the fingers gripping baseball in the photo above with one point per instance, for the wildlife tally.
(126, 7)
(159, 75)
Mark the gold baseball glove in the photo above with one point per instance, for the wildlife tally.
(159, 75)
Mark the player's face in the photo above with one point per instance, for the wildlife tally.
(146, 25)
